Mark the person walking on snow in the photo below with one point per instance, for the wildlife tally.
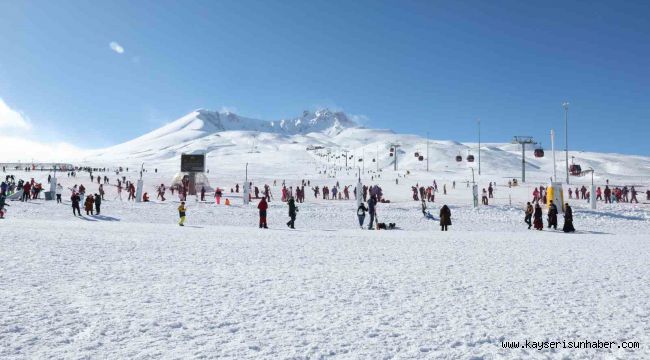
(98, 203)
(568, 219)
(217, 196)
(59, 190)
(88, 204)
(292, 212)
(537, 218)
(263, 206)
(529, 214)
(372, 210)
(181, 213)
(445, 218)
(75, 199)
(552, 215)
(361, 214)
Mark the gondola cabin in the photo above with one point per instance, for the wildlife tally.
(417, 154)
(459, 158)
(575, 170)
(470, 158)
(539, 153)
(421, 158)
(373, 160)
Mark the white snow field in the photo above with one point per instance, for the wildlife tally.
(131, 283)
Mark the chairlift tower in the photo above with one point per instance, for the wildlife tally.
(395, 147)
(346, 157)
(523, 141)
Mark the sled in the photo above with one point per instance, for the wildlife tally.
(15, 196)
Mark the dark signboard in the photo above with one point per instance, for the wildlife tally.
(192, 163)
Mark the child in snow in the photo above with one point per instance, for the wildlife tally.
(181, 213)
(262, 206)
(361, 214)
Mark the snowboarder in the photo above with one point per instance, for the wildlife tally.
(552, 215)
(181, 213)
(537, 218)
(445, 218)
(529, 214)
(292, 212)
(568, 219)
(361, 214)
(262, 206)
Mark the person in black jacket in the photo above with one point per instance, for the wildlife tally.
(445, 217)
(568, 219)
(75, 199)
(292, 212)
(552, 215)
(98, 203)
(537, 218)
(361, 214)
(372, 204)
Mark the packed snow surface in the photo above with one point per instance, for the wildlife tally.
(130, 283)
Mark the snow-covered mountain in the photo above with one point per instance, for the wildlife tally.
(288, 146)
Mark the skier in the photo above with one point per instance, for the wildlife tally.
(552, 215)
(361, 214)
(202, 193)
(537, 218)
(529, 214)
(445, 218)
(292, 212)
(568, 219)
(75, 199)
(98, 203)
(181, 213)
(262, 206)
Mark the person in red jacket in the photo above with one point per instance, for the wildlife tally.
(262, 206)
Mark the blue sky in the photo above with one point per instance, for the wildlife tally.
(407, 65)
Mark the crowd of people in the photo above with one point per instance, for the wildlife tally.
(292, 195)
